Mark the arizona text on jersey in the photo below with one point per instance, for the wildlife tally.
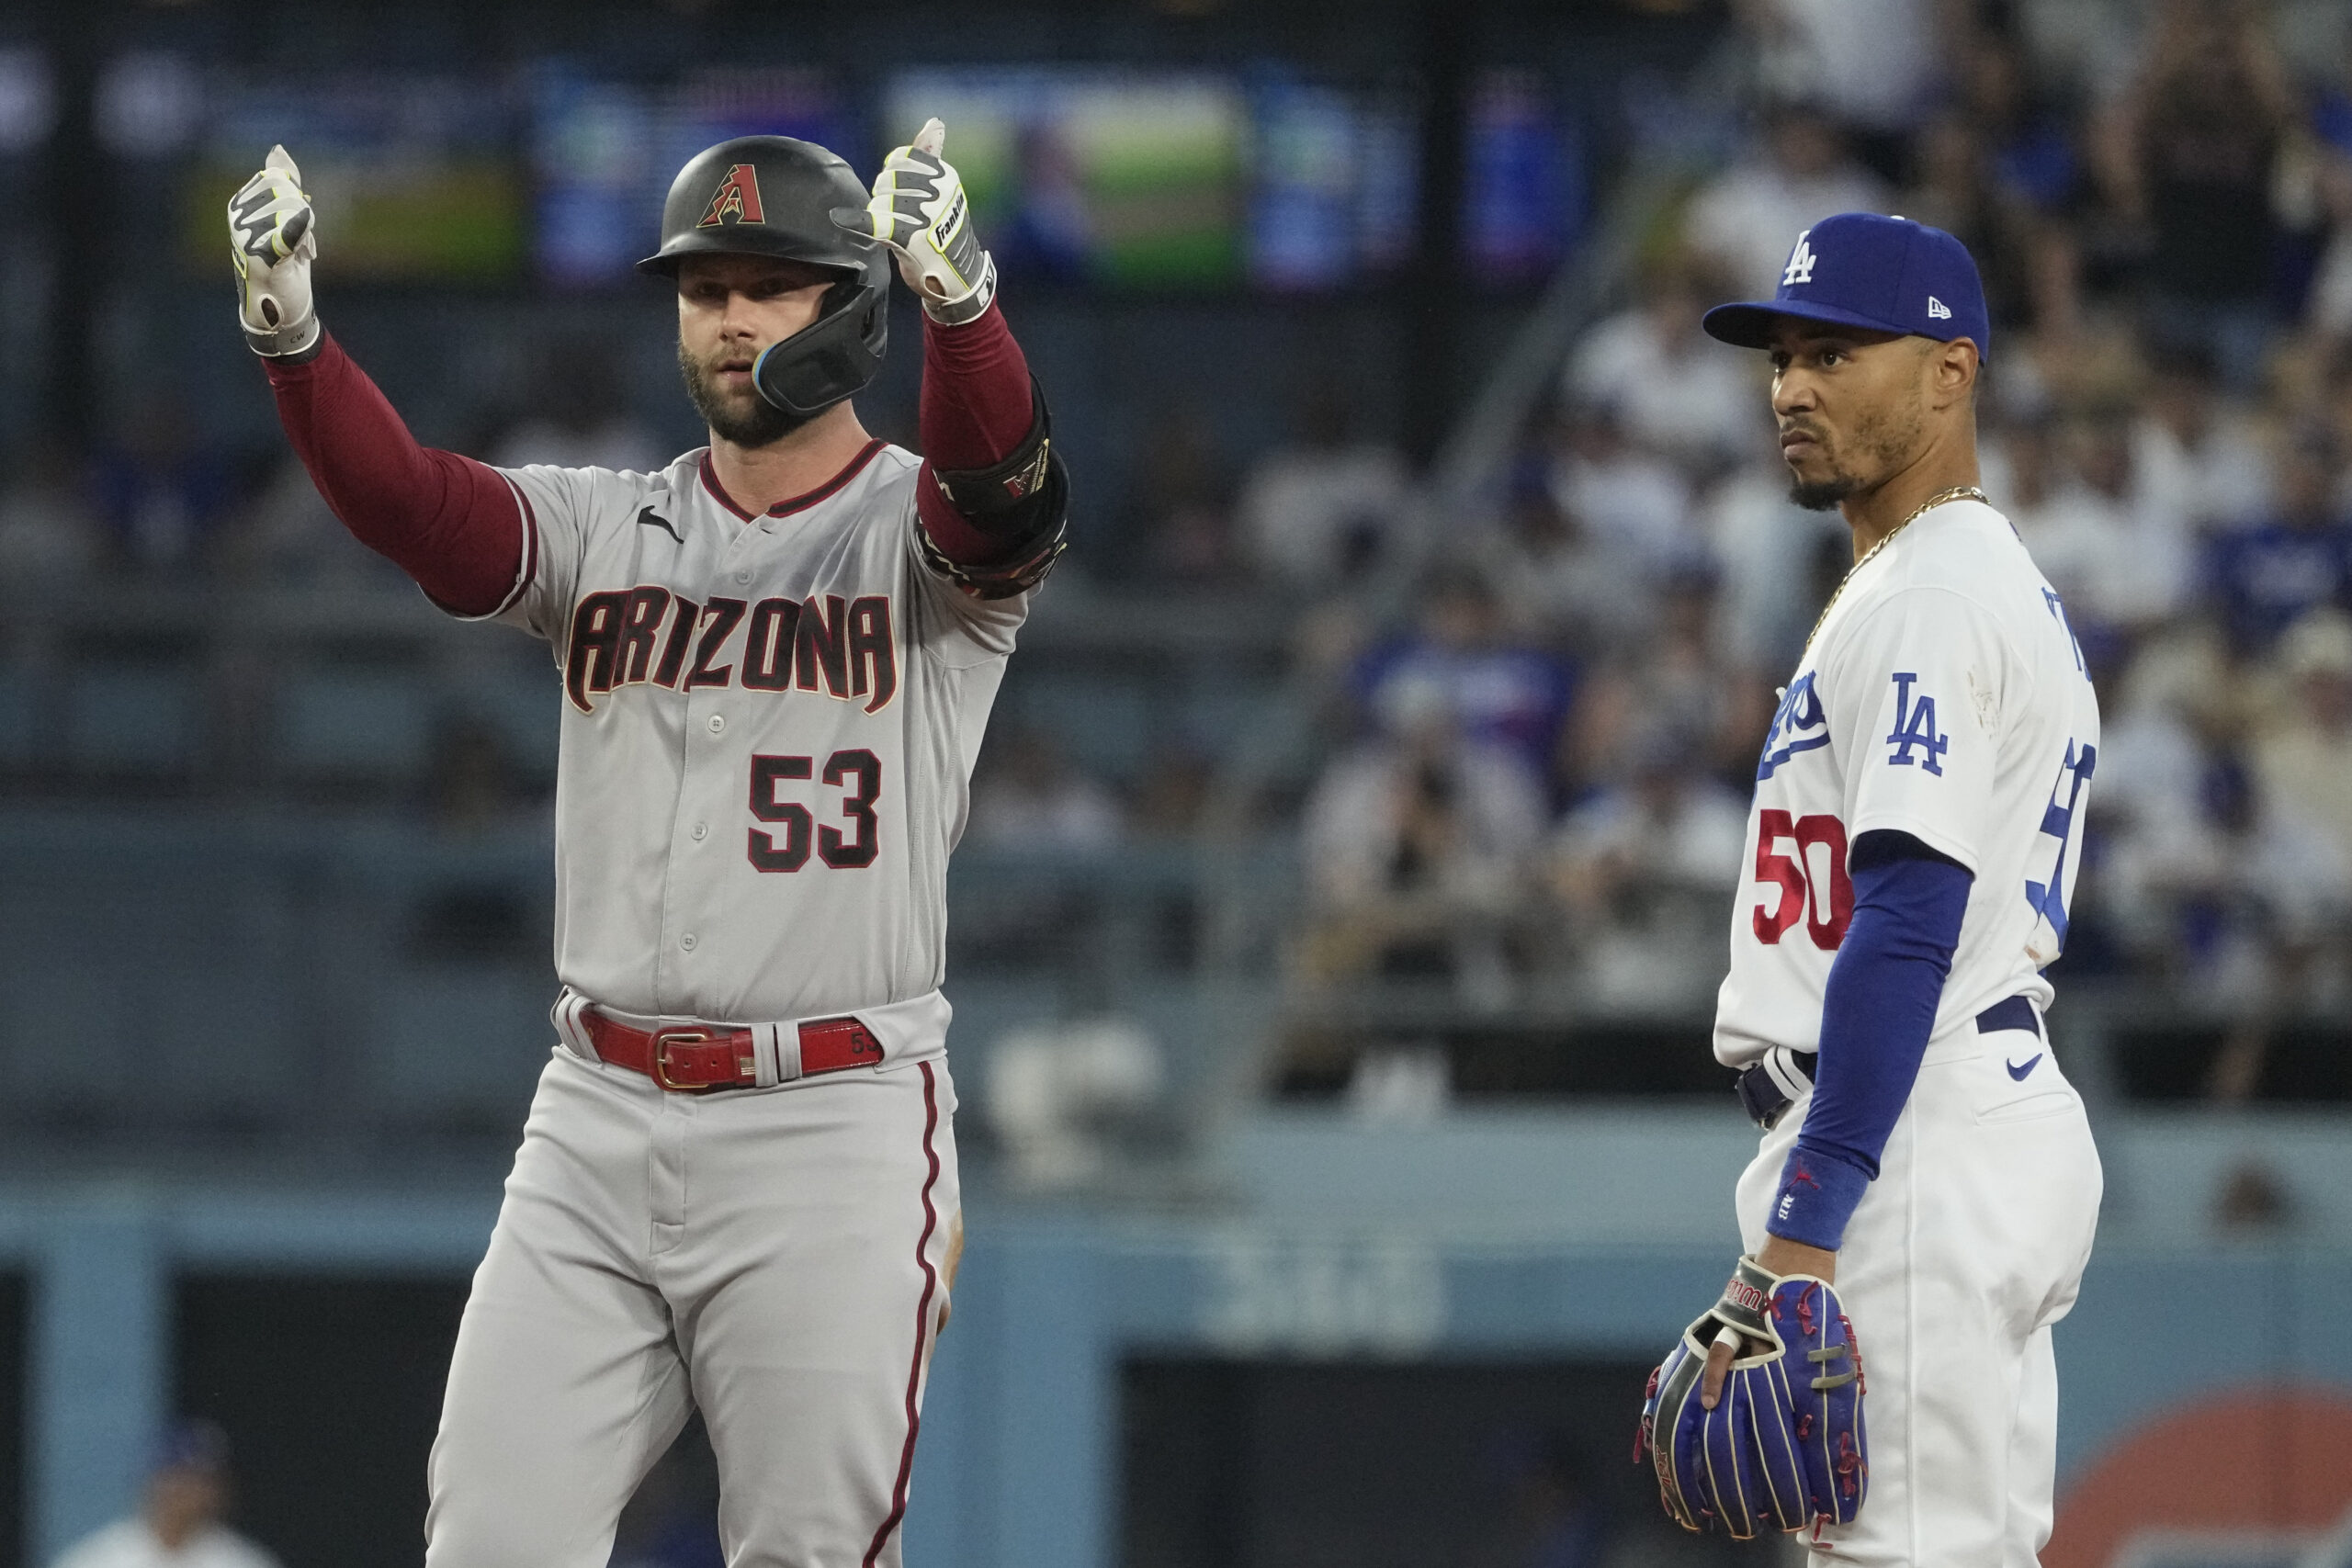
(799, 699)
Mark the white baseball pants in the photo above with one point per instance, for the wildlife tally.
(778, 1259)
(1963, 1252)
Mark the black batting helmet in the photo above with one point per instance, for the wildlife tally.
(773, 196)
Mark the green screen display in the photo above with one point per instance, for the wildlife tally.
(412, 179)
(1122, 180)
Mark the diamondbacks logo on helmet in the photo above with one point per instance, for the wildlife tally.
(738, 200)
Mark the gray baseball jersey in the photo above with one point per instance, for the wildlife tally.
(769, 728)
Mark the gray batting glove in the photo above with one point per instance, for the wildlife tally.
(273, 238)
(919, 210)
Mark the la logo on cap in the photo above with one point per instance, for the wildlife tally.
(1938, 310)
(1799, 264)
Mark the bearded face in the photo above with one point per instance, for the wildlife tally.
(1878, 442)
(721, 391)
(731, 306)
(1851, 407)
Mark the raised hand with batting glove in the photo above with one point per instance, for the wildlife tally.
(921, 212)
(273, 239)
(1755, 1418)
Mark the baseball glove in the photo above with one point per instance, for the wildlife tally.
(1784, 1443)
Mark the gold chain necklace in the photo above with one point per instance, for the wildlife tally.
(1957, 492)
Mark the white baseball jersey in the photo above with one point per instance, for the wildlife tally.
(1945, 696)
(768, 735)
(133, 1543)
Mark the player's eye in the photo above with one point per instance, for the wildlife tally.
(1831, 358)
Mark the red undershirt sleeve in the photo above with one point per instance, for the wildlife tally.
(975, 412)
(450, 521)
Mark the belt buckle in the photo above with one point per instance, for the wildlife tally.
(662, 1039)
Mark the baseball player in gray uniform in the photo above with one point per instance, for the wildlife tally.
(737, 1188)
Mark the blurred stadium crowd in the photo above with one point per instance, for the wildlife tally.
(1547, 782)
(1323, 772)
(1522, 783)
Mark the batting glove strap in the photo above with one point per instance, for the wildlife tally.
(297, 345)
(973, 306)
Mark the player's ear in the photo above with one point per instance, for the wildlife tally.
(1951, 371)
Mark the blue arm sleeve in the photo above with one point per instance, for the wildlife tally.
(1876, 1014)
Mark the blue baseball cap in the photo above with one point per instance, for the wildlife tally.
(1858, 269)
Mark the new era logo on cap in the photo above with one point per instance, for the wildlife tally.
(1859, 269)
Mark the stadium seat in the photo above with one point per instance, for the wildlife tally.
(371, 722)
(144, 718)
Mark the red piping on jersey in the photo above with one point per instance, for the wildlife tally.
(531, 543)
(922, 1319)
(799, 503)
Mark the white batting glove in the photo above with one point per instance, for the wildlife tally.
(273, 238)
(921, 213)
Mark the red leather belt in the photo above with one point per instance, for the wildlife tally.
(692, 1059)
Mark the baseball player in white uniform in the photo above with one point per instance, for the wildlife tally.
(1916, 827)
(737, 1188)
(179, 1522)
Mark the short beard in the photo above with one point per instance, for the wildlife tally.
(1823, 496)
(1887, 437)
(762, 424)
